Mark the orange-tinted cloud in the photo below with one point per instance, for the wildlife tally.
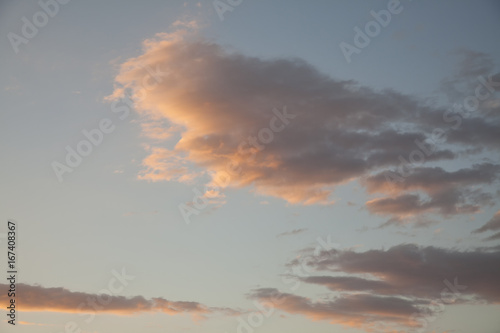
(38, 298)
(285, 128)
(164, 164)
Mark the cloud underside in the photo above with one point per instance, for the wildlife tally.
(361, 310)
(492, 225)
(224, 107)
(396, 288)
(38, 298)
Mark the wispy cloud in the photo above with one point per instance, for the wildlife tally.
(291, 232)
(38, 298)
(492, 225)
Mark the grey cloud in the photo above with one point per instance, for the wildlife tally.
(492, 224)
(357, 310)
(413, 271)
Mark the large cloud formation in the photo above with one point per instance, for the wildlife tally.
(399, 287)
(38, 298)
(295, 133)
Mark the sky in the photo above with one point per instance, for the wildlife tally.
(241, 166)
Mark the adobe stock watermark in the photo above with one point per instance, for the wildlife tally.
(455, 115)
(266, 309)
(247, 149)
(94, 137)
(372, 29)
(92, 305)
(303, 269)
(222, 6)
(30, 28)
(448, 296)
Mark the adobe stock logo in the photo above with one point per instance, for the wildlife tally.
(224, 6)
(372, 29)
(95, 136)
(83, 148)
(29, 30)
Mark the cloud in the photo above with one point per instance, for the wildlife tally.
(348, 283)
(435, 179)
(493, 224)
(164, 164)
(393, 289)
(38, 298)
(448, 202)
(292, 232)
(293, 132)
(191, 24)
(156, 130)
(34, 324)
(356, 310)
(493, 237)
(410, 271)
(470, 65)
(444, 192)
